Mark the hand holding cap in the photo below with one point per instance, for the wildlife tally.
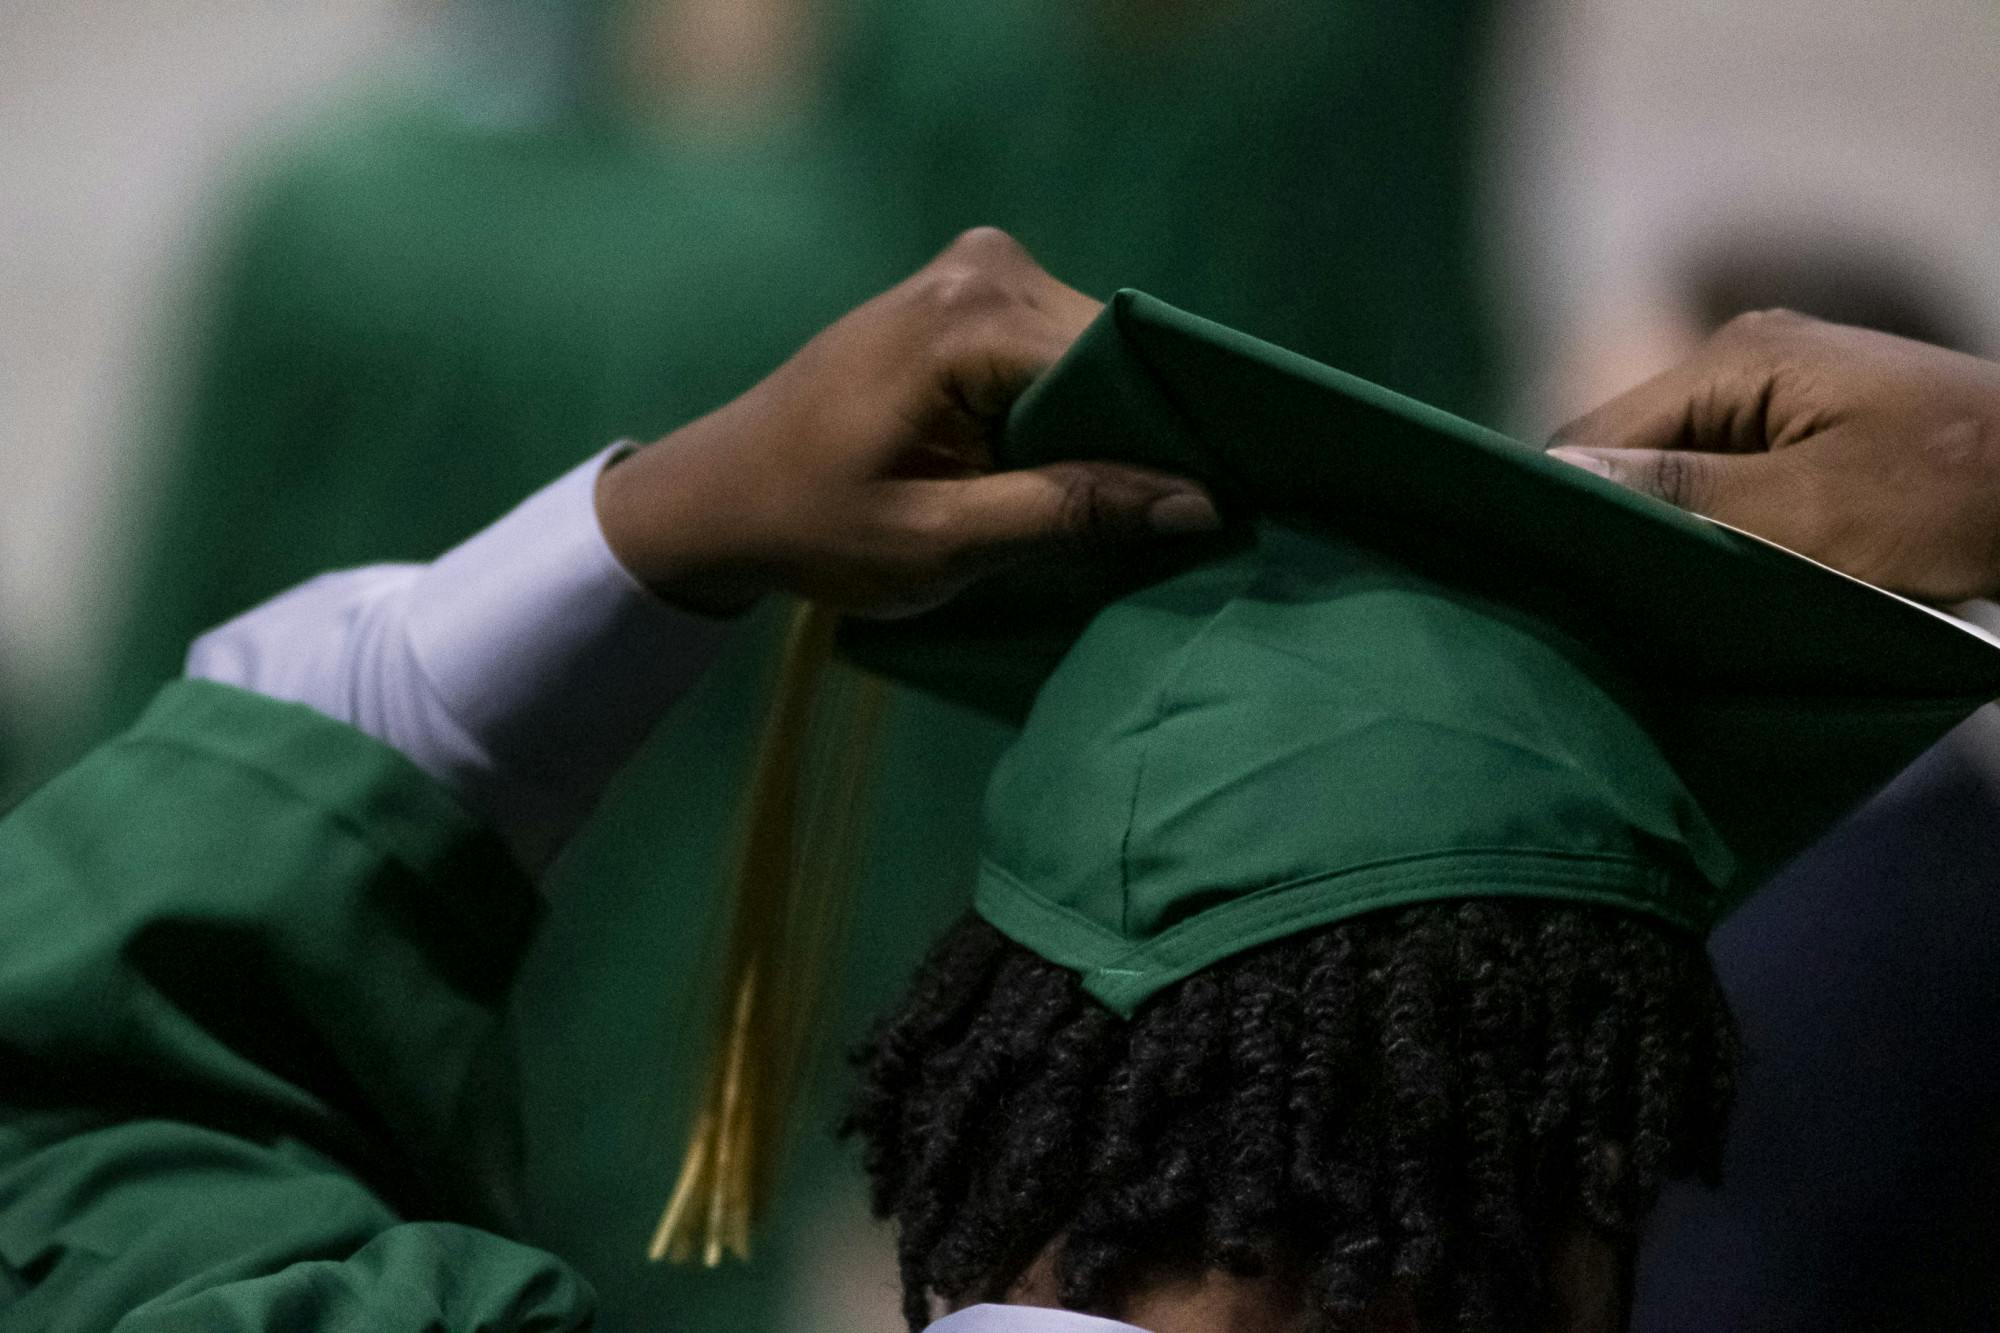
(859, 473)
(1871, 453)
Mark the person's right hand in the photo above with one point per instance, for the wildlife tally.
(860, 473)
(1871, 453)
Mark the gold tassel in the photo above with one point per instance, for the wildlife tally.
(789, 899)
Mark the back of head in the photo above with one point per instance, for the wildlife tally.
(1412, 1111)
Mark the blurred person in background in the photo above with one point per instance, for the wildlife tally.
(1303, 171)
(438, 289)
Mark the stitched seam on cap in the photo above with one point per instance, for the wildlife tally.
(1107, 961)
(1185, 655)
(1283, 909)
(1016, 910)
(1388, 871)
(1123, 989)
(1508, 857)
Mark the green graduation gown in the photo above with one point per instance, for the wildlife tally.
(252, 971)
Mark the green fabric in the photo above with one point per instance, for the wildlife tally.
(1305, 733)
(9, 755)
(252, 973)
(1434, 664)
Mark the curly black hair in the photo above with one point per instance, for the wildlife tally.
(1422, 1097)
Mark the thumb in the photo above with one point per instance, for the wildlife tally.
(1680, 477)
(1005, 515)
(1755, 492)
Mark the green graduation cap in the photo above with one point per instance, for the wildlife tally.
(1428, 663)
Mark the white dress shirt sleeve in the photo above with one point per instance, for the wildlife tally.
(1026, 1319)
(521, 669)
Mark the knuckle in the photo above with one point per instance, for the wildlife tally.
(1763, 326)
(1682, 478)
(956, 291)
(929, 538)
(986, 246)
(1085, 514)
(963, 340)
(977, 274)
(971, 355)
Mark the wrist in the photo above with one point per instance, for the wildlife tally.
(679, 523)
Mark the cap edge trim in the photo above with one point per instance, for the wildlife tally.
(1123, 975)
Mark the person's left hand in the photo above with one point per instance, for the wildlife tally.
(1873, 454)
(858, 474)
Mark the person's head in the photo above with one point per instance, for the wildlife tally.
(1450, 1116)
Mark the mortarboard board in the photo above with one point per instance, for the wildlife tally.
(1426, 662)
(1434, 663)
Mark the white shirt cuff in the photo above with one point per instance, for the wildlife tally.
(521, 669)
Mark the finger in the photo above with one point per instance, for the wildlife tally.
(993, 320)
(992, 361)
(993, 519)
(1057, 312)
(1065, 311)
(985, 366)
(1715, 402)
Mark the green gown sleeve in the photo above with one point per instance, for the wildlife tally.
(252, 968)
